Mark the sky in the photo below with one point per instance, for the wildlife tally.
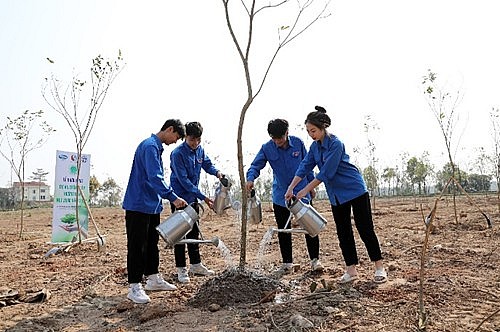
(367, 58)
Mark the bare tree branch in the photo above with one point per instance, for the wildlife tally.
(102, 74)
(290, 36)
(244, 56)
(18, 133)
(271, 6)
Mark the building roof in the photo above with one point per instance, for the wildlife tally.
(31, 183)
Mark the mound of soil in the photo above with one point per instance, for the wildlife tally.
(232, 287)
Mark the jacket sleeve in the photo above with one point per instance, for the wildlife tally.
(155, 177)
(208, 166)
(258, 163)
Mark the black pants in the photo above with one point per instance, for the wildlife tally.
(193, 248)
(361, 210)
(285, 239)
(143, 257)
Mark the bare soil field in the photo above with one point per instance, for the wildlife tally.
(84, 289)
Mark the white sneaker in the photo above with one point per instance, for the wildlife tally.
(285, 268)
(200, 269)
(137, 294)
(316, 265)
(155, 282)
(182, 275)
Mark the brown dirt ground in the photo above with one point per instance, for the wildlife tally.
(86, 288)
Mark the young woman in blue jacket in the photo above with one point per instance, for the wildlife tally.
(346, 191)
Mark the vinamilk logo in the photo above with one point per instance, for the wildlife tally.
(74, 157)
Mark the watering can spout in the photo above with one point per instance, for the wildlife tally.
(216, 241)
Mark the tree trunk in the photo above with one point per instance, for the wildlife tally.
(244, 198)
(77, 213)
(21, 229)
(498, 187)
(454, 187)
(21, 179)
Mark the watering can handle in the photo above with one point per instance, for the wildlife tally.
(200, 206)
(199, 230)
(288, 220)
(192, 205)
(292, 200)
(224, 181)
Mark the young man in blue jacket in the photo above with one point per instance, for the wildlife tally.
(284, 153)
(143, 204)
(186, 162)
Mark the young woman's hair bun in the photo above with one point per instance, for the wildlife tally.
(320, 109)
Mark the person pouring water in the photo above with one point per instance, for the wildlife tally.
(346, 190)
(186, 162)
(142, 203)
(284, 153)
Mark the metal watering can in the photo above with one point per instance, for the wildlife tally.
(307, 217)
(222, 200)
(174, 228)
(177, 225)
(254, 209)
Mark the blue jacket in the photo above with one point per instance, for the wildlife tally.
(342, 180)
(186, 165)
(146, 184)
(284, 163)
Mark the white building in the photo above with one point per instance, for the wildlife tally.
(33, 191)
